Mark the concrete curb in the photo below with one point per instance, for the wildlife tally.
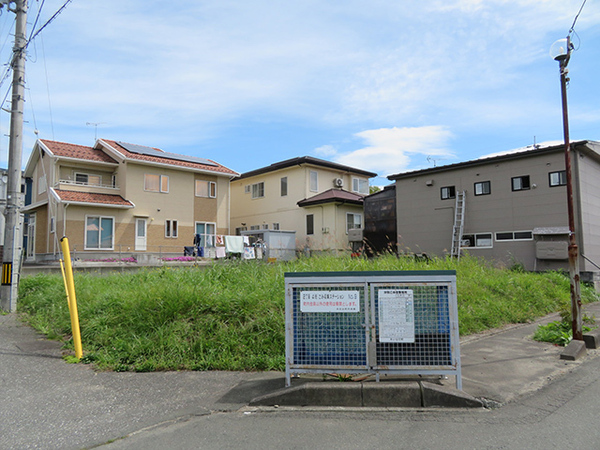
(406, 394)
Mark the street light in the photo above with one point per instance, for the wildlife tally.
(561, 52)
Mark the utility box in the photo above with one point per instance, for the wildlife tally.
(372, 322)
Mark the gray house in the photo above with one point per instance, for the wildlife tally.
(510, 208)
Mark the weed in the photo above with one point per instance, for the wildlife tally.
(230, 315)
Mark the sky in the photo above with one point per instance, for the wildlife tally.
(383, 86)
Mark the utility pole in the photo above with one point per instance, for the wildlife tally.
(13, 240)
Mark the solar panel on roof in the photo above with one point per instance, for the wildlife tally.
(149, 151)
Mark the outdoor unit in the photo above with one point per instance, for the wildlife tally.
(338, 182)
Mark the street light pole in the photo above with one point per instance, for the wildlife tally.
(562, 54)
(12, 235)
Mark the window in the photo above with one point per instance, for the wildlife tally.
(514, 236)
(265, 226)
(206, 189)
(353, 221)
(247, 189)
(448, 192)
(52, 225)
(558, 178)
(310, 224)
(255, 227)
(171, 229)
(156, 183)
(283, 186)
(258, 190)
(276, 225)
(360, 185)
(207, 232)
(41, 184)
(85, 178)
(476, 240)
(99, 233)
(483, 188)
(314, 181)
(520, 183)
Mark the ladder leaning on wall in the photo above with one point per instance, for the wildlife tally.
(459, 220)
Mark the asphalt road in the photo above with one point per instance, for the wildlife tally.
(562, 415)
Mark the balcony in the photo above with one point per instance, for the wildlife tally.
(70, 185)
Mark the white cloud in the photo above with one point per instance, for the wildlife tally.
(326, 151)
(389, 150)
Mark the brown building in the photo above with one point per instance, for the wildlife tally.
(515, 207)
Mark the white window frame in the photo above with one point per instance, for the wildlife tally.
(87, 178)
(112, 233)
(258, 190)
(276, 226)
(247, 189)
(476, 240)
(313, 177)
(348, 214)
(207, 239)
(161, 180)
(52, 224)
(171, 228)
(283, 186)
(360, 185)
(42, 184)
(211, 188)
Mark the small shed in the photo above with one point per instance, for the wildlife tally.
(278, 244)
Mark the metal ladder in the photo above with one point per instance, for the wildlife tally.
(459, 220)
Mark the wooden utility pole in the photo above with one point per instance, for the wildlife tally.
(13, 236)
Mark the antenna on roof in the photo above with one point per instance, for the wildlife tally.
(95, 125)
(535, 144)
(432, 159)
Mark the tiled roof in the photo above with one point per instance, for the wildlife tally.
(90, 197)
(166, 160)
(333, 195)
(76, 151)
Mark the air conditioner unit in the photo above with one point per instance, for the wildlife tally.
(338, 182)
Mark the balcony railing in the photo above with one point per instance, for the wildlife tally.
(82, 184)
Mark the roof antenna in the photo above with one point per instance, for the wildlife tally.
(535, 145)
(95, 125)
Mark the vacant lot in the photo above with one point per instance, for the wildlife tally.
(230, 316)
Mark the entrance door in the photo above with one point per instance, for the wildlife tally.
(140, 234)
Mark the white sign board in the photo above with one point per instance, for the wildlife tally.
(396, 315)
(330, 301)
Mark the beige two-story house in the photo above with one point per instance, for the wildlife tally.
(319, 200)
(122, 199)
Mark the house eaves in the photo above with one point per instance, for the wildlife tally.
(305, 160)
(33, 206)
(91, 199)
(338, 196)
(493, 159)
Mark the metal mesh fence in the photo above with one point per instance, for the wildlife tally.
(430, 314)
(333, 339)
(365, 323)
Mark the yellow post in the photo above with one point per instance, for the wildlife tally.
(62, 269)
(64, 244)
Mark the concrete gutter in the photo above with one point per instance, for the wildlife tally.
(388, 394)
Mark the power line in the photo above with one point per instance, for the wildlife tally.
(49, 21)
(577, 17)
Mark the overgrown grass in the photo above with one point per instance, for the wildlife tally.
(230, 316)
